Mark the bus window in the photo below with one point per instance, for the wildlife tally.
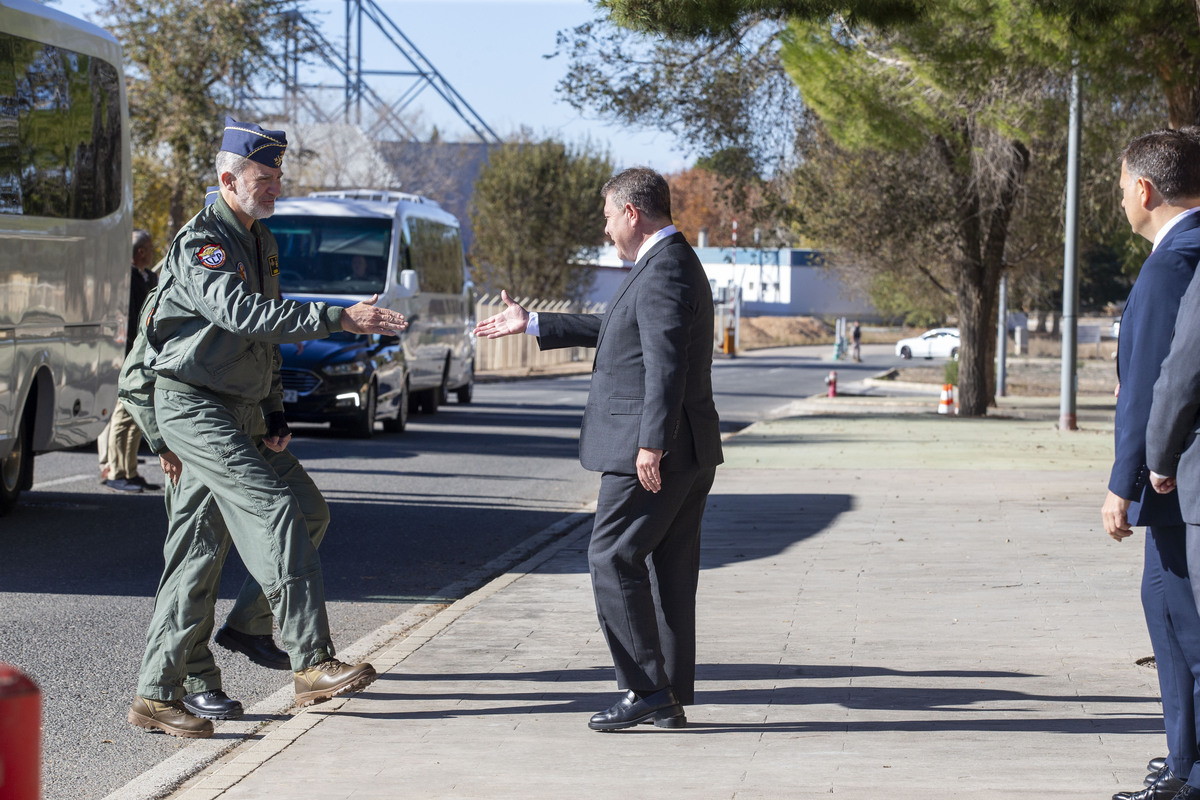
(60, 132)
(435, 252)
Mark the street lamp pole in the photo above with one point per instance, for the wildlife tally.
(1070, 317)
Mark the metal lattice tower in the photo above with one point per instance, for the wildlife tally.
(358, 98)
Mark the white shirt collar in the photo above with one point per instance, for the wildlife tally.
(1175, 220)
(654, 239)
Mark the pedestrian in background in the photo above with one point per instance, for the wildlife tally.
(856, 340)
(119, 441)
(212, 339)
(1160, 193)
(651, 428)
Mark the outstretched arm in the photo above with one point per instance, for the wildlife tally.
(513, 319)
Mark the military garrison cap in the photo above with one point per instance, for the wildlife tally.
(250, 141)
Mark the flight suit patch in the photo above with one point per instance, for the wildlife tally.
(211, 255)
(241, 270)
(273, 264)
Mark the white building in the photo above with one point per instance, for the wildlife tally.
(774, 282)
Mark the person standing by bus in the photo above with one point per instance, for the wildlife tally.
(212, 339)
(122, 437)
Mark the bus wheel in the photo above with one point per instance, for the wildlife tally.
(16, 469)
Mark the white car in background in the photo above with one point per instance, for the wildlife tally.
(937, 343)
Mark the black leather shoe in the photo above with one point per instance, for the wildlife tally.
(1156, 764)
(212, 705)
(1167, 787)
(1154, 774)
(632, 710)
(259, 649)
(1188, 793)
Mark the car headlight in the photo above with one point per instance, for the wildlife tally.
(349, 368)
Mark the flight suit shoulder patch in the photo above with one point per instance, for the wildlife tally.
(273, 264)
(211, 255)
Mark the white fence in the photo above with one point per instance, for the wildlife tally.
(513, 352)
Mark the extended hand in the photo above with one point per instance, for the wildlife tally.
(1113, 512)
(366, 317)
(649, 474)
(1161, 483)
(172, 467)
(513, 319)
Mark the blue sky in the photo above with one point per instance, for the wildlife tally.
(491, 51)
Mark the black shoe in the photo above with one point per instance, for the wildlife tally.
(662, 708)
(123, 485)
(212, 705)
(138, 480)
(1156, 764)
(1167, 787)
(259, 649)
(1155, 774)
(1188, 793)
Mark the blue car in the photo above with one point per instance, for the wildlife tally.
(349, 380)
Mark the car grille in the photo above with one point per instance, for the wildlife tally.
(300, 380)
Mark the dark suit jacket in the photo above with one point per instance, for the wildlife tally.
(1147, 326)
(652, 377)
(1172, 419)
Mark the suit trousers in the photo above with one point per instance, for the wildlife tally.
(644, 559)
(258, 496)
(1174, 626)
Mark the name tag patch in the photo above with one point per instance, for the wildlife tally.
(211, 255)
(273, 264)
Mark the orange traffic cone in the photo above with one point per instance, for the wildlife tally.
(947, 400)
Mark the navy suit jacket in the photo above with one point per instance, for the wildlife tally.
(652, 377)
(1171, 432)
(1147, 328)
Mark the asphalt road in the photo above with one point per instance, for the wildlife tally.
(412, 513)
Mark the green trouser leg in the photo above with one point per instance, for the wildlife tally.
(250, 613)
(262, 515)
(191, 500)
(193, 553)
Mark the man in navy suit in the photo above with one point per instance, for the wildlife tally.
(650, 426)
(1160, 184)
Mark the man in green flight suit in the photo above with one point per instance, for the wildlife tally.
(212, 339)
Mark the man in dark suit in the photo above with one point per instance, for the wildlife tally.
(1160, 184)
(650, 426)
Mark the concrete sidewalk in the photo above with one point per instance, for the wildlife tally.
(901, 606)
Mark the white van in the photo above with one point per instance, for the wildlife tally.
(344, 246)
(66, 210)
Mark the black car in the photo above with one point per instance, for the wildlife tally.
(349, 380)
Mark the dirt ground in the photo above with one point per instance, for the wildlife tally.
(1037, 372)
(760, 332)
(1031, 377)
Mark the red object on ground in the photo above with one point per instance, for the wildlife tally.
(831, 382)
(20, 735)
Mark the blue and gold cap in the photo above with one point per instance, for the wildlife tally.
(250, 141)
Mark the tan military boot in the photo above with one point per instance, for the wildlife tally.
(318, 683)
(169, 718)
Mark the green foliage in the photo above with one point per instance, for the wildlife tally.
(537, 209)
(950, 372)
(688, 18)
(188, 63)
